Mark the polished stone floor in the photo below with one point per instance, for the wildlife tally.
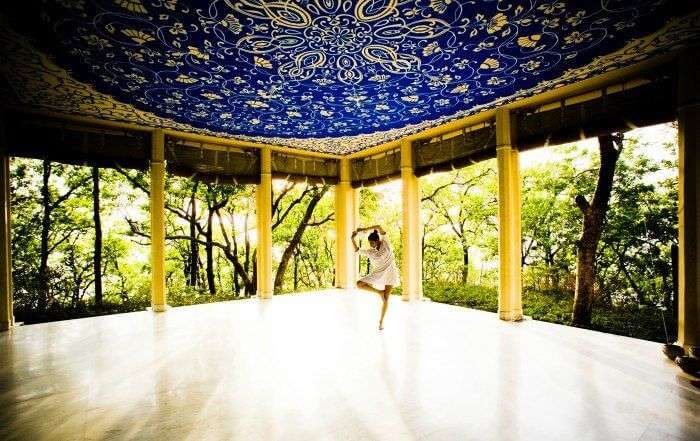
(314, 366)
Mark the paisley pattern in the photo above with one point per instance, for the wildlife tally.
(326, 75)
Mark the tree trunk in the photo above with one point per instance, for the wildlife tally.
(296, 238)
(236, 284)
(194, 246)
(465, 264)
(641, 297)
(252, 289)
(593, 221)
(296, 271)
(211, 281)
(97, 260)
(43, 276)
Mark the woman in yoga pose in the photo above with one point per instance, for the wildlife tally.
(384, 276)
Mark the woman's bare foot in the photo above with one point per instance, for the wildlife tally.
(381, 326)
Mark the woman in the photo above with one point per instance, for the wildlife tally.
(384, 276)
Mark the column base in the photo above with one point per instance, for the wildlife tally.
(411, 298)
(159, 308)
(264, 295)
(689, 348)
(510, 316)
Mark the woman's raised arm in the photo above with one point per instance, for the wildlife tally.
(377, 227)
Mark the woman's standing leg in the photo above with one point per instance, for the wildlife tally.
(385, 304)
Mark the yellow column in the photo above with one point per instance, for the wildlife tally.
(345, 223)
(263, 201)
(510, 269)
(411, 263)
(158, 292)
(6, 314)
(356, 225)
(689, 202)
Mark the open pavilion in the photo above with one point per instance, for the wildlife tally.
(350, 93)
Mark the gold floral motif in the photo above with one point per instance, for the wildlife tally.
(440, 6)
(257, 104)
(186, 79)
(195, 52)
(490, 63)
(460, 89)
(231, 23)
(431, 49)
(261, 62)
(132, 5)
(137, 36)
(211, 96)
(577, 37)
(529, 41)
(496, 23)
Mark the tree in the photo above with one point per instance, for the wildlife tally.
(97, 260)
(51, 200)
(282, 206)
(193, 261)
(549, 220)
(463, 202)
(593, 221)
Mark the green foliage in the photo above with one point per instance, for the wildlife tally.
(459, 217)
(222, 215)
(478, 297)
(555, 307)
(459, 243)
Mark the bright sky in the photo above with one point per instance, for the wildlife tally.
(651, 141)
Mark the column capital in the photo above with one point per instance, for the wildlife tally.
(344, 170)
(688, 79)
(157, 146)
(406, 154)
(265, 161)
(505, 129)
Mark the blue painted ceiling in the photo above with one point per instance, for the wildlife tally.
(332, 68)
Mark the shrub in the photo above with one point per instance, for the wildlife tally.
(556, 307)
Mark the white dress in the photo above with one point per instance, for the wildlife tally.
(383, 265)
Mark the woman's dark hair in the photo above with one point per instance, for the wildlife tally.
(373, 236)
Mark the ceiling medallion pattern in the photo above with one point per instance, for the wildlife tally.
(335, 75)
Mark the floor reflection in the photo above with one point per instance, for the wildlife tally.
(314, 366)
